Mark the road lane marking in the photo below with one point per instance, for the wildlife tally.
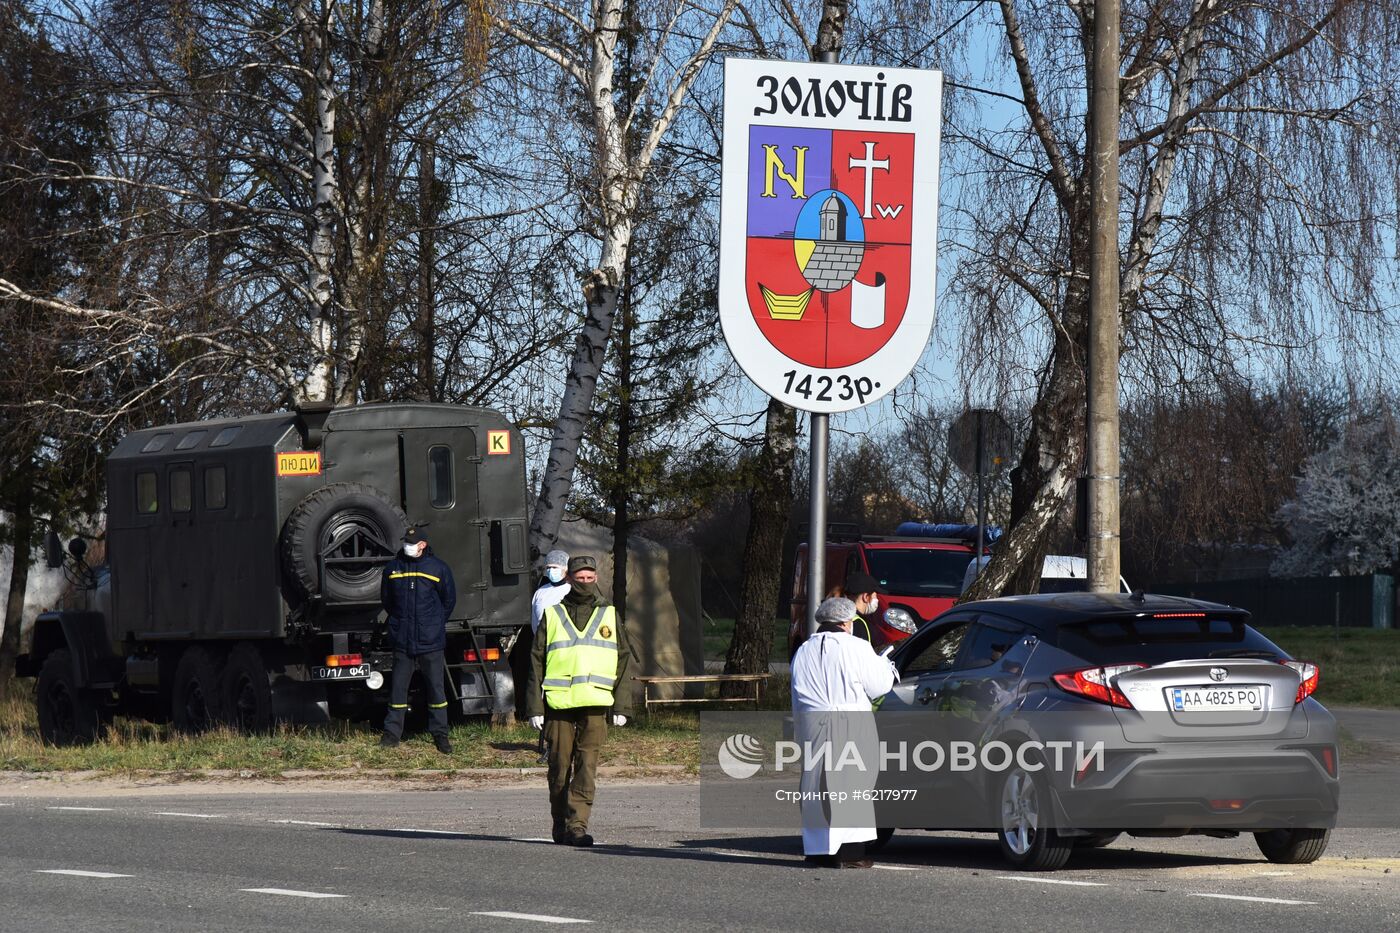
(306, 823)
(198, 816)
(1272, 874)
(285, 892)
(79, 874)
(898, 867)
(1245, 897)
(431, 832)
(1077, 884)
(538, 918)
(6, 805)
(87, 809)
(531, 839)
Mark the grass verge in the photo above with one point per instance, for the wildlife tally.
(1360, 667)
(664, 738)
(667, 737)
(719, 633)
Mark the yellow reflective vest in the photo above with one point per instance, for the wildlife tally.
(580, 668)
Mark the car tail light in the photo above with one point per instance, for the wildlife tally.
(1227, 804)
(486, 654)
(1329, 760)
(344, 660)
(1096, 683)
(1308, 674)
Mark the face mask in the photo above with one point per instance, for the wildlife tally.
(554, 574)
(874, 604)
(414, 550)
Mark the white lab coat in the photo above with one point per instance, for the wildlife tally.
(835, 677)
(551, 594)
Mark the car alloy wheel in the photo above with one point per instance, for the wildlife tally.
(1026, 837)
(1020, 812)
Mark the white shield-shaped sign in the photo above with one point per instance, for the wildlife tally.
(829, 227)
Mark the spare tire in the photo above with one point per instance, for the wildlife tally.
(356, 527)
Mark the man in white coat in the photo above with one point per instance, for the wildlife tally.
(835, 678)
(552, 589)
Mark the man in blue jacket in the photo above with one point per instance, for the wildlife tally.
(418, 594)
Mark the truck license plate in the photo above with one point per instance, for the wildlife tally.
(1200, 699)
(358, 672)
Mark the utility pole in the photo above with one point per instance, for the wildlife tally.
(1104, 536)
(830, 33)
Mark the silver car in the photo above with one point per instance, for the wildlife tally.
(1199, 725)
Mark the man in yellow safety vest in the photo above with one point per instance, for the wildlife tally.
(578, 676)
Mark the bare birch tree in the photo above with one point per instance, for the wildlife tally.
(1259, 155)
(623, 140)
(260, 154)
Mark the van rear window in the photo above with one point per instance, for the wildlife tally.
(1153, 641)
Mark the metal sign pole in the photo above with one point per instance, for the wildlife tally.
(816, 510)
(816, 521)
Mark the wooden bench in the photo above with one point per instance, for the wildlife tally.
(757, 680)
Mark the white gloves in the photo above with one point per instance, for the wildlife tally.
(537, 722)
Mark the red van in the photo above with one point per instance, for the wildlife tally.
(921, 575)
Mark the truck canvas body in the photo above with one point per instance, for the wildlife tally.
(243, 565)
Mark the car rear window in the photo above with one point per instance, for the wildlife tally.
(918, 571)
(1157, 640)
(1064, 585)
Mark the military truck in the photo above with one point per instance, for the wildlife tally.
(243, 561)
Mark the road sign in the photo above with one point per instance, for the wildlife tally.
(829, 227)
(995, 436)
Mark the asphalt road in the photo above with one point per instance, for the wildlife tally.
(474, 859)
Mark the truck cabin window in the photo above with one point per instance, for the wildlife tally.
(191, 440)
(147, 498)
(215, 488)
(226, 436)
(156, 443)
(440, 477)
(181, 497)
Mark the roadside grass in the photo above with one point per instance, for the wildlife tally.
(340, 749)
(719, 633)
(1360, 667)
(667, 737)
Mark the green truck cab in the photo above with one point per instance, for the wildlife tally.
(242, 566)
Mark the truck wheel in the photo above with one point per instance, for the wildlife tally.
(343, 521)
(67, 713)
(247, 690)
(196, 703)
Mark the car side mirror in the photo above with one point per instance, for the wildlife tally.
(78, 548)
(53, 551)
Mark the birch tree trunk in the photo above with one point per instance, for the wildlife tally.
(314, 24)
(620, 172)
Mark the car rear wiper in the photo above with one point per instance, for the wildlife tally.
(1245, 653)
